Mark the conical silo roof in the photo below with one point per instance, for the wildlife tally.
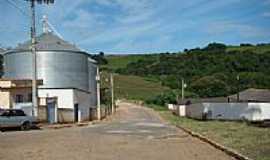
(49, 41)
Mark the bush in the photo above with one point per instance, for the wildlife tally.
(169, 97)
(210, 86)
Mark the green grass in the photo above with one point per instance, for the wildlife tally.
(134, 87)
(251, 141)
(119, 61)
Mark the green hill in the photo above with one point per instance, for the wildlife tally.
(209, 71)
(121, 61)
(133, 87)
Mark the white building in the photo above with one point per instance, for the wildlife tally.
(68, 92)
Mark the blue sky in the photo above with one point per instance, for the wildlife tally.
(143, 26)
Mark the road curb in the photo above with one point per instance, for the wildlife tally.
(227, 150)
(60, 126)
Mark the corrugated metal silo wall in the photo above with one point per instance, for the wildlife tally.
(57, 69)
(92, 83)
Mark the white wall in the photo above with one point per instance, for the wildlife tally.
(65, 96)
(261, 111)
(66, 99)
(179, 110)
(171, 107)
(182, 110)
(230, 111)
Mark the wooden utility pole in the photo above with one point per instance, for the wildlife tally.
(34, 59)
(112, 93)
(34, 56)
(238, 88)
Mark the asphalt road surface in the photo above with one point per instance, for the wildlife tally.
(133, 133)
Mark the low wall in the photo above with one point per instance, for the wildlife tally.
(65, 115)
(195, 111)
(42, 114)
(179, 110)
(230, 111)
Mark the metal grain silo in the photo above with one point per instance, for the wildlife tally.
(59, 64)
(92, 68)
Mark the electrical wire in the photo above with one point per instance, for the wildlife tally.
(12, 3)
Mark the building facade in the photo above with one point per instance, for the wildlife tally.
(68, 75)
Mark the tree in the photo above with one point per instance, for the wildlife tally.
(216, 48)
(209, 86)
(101, 54)
(245, 45)
(101, 60)
(211, 71)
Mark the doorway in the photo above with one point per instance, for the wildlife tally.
(76, 112)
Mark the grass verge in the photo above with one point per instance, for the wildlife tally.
(248, 140)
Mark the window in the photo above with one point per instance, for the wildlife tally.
(6, 113)
(19, 98)
(19, 113)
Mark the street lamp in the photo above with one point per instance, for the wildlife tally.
(184, 85)
(33, 49)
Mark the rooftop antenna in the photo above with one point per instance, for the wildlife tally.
(47, 27)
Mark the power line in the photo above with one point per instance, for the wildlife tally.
(12, 3)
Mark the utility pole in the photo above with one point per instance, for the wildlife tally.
(183, 89)
(238, 88)
(34, 60)
(112, 92)
(98, 95)
(184, 85)
(34, 56)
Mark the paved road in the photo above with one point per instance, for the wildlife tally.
(134, 133)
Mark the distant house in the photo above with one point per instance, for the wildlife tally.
(16, 92)
(252, 95)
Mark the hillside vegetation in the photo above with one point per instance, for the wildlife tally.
(121, 61)
(132, 87)
(209, 72)
(260, 48)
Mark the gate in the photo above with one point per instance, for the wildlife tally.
(52, 110)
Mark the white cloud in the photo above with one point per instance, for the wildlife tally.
(230, 27)
(266, 14)
(267, 2)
